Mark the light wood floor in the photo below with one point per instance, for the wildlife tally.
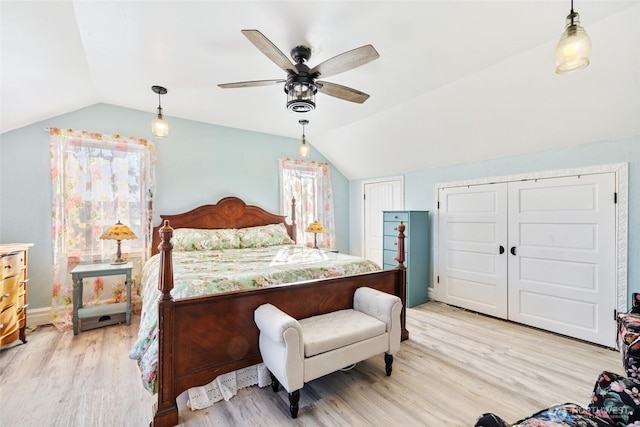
(455, 366)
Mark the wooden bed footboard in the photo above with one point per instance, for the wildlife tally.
(203, 337)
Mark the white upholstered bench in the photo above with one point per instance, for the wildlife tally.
(298, 351)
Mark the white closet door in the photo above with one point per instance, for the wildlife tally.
(472, 230)
(379, 196)
(562, 276)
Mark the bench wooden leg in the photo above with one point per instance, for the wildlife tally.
(388, 361)
(294, 398)
(275, 384)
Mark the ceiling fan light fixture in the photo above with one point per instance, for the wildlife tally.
(303, 149)
(301, 85)
(159, 126)
(574, 47)
(301, 95)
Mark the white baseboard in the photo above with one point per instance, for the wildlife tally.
(38, 316)
(431, 294)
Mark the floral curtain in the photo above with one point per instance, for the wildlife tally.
(310, 183)
(97, 180)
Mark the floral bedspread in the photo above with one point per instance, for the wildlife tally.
(209, 272)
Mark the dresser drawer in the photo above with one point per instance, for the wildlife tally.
(391, 228)
(390, 243)
(389, 257)
(11, 265)
(8, 320)
(396, 216)
(14, 286)
(9, 291)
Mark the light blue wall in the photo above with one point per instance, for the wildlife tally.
(419, 186)
(197, 164)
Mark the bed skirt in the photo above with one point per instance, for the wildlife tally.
(226, 386)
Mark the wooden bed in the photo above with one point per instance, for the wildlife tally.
(203, 337)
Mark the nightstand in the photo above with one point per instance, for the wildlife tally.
(84, 271)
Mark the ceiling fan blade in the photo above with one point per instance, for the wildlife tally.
(251, 83)
(346, 61)
(270, 50)
(342, 92)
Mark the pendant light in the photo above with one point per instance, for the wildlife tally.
(304, 149)
(159, 126)
(574, 47)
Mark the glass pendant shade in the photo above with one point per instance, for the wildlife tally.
(159, 126)
(574, 47)
(303, 149)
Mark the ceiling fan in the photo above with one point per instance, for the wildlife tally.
(301, 84)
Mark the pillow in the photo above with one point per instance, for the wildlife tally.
(193, 239)
(617, 399)
(264, 235)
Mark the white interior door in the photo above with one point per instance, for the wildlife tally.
(472, 248)
(379, 196)
(562, 277)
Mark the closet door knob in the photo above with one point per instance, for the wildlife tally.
(513, 250)
(501, 249)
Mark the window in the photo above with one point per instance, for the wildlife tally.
(97, 180)
(310, 183)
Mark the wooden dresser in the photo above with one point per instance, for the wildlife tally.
(13, 291)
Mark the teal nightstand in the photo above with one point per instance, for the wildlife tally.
(83, 271)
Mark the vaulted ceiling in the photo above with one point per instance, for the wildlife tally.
(456, 81)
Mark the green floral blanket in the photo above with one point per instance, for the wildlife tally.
(214, 271)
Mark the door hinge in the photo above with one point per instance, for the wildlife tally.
(438, 279)
(615, 198)
(364, 196)
(615, 314)
(438, 204)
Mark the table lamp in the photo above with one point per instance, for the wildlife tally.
(118, 232)
(315, 227)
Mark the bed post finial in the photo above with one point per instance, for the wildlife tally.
(165, 281)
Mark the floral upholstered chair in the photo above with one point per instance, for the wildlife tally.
(615, 401)
(629, 338)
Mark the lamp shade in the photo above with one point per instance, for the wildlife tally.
(118, 231)
(574, 48)
(315, 227)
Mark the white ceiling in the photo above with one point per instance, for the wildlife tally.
(456, 81)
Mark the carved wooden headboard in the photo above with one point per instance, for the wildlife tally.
(230, 212)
